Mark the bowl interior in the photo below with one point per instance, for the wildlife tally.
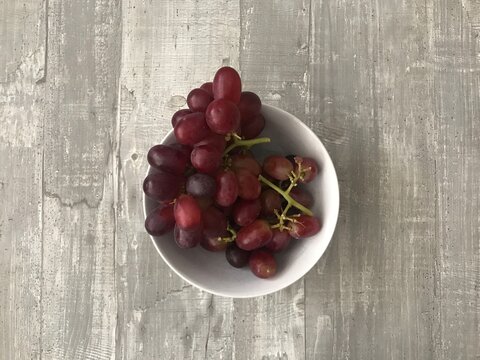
(210, 271)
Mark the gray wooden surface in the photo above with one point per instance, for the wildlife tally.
(391, 87)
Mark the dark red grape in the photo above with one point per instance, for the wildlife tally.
(191, 129)
(208, 87)
(237, 257)
(206, 158)
(185, 149)
(186, 239)
(253, 127)
(222, 116)
(162, 186)
(160, 220)
(244, 161)
(179, 115)
(214, 223)
(279, 242)
(249, 105)
(187, 212)
(309, 167)
(214, 244)
(167, 158)
(227, 84)
(201, 185)
(302, 196)
(249, 187)
(270, 201)
(254, 236)
(246, 211)
(204, 202)
(262, 264)
(278, 167)
(304, 226)
(198, 100)
(227, 188)
(215, 140)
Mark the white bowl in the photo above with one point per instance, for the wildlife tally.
(211, 272)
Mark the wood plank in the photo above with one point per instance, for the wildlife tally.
(22, 64)
(167, 49)
(79, 302)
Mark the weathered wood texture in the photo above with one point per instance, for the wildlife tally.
(391, 87)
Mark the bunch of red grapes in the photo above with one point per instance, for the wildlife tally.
(212, 191)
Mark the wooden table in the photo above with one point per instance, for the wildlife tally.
(391, 87)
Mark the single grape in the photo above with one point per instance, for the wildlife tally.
(249, 186)
(246, 211)
(201, 185)
(279, 242)
(245, 161)
(208, 87)
(206, 158)
(227, 188)
(188, 214)
(222, 116)
(160, 220)
(204, 202)
(237, 257)
(214, 223)
(262, 264)
(254, 236)
(304, 226)
(270, 200)
(249, 105)
(278, 167)
(251, 128)
(167, 158)
(191, 129)
(302, 196)
(179, 115)
(186, 239)
(215, 140)
(185, 149)
(309, 168)
(162, 186)
(214, 244)
(198, 100)
(227, 84)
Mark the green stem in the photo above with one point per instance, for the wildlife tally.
(286, 196)
(247, 143)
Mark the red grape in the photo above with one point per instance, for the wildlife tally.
(262, 264)
(215, 140)
(160, 220)
(249, 105)
(222, 116)
(244, 161)
(162, 186)
(187, 212)
(227, 188)
(214, 243)
(201, 185)
(302, 196)
(278, 167)
(279, 242)
(198, 100)
(246, 211)
(214, 223)
(185, 149)
(304, 226)
(251, 128)
(167, 158)
(227, 84)
(249, 187)
(186, 239)
(270, 201)
(237, 257)
(309, 167)
(179, 115)
(192, 128)
(204, 202)
(206, 158)
(254, 236)
(208, 87)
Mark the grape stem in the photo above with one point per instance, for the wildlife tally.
(232, 237)
(238, 141)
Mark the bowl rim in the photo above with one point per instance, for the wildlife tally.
(330, 230)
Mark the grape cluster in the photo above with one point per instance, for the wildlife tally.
(212, 191)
